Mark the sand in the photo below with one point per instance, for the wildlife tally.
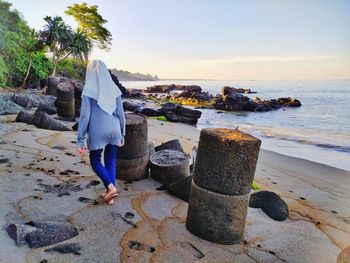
(147, 225)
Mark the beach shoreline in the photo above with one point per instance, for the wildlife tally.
(317, 196)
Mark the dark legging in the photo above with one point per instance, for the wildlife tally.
(107, 173)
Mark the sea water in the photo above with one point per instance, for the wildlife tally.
(318, 131)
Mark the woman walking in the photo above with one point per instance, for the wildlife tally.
(102, 118)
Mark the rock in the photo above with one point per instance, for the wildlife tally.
(289, 102)
(48, 109)
(75, 126)
(4, 160)
(45, 121)
(136, 93)
(160, 88)
(270, 203)
(150, 112)
(18, 232)
(169, 106)
(226, 90)
(167, 166)
(33, 100)
(7, 106)
(130, 106)
(226, 161)
(69, 248)
(187, 112)
(49, 233)
(215, 217)
(119, 85)
(170, 145)
(181, 188)
(25, 116)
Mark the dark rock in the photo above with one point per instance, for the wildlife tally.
(187, 112)
(273, 205)
(45, 121)
(75, 126)
(119, 85)
(7, 106)
(33, 100)
(170, 145)
(160, 88)
(150, 112)
(69, 248)
(230, 90)
(181, 188)
(4, 160)
(289, 102)
(18, 232)
(169, 106)
(25, 116)
(48, 109)
(130, 106)
(49, 233)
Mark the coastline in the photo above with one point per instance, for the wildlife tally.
(318, 197)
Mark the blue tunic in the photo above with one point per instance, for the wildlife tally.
(101, 127)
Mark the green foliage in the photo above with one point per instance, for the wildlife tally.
(255, 186)
(18, 45)
(3, 73)
(72, 68)
(91, 23)
(62, 41)
(160, 118)
(41, 67)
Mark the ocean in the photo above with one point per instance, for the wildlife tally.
(318, 131)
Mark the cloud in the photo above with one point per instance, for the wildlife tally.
(258, 59)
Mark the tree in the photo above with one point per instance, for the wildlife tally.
(63, 41)
(91, 23)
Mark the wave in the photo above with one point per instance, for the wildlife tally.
(339, 148)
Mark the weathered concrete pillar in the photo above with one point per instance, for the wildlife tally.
(168, 166)
(52, 83)
(65, 100)
(133, 156)
(223, 174)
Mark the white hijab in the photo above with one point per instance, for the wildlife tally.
(100, 86)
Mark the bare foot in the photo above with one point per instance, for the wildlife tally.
(111, 193)
(111, 202)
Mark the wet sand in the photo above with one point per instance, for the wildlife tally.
(147, 225)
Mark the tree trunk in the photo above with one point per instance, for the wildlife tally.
(27, 73)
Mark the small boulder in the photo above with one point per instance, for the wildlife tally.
(273, 205)
(181, 188)
(170, 145)
(25, 116)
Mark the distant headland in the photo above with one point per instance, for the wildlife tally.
(124, 75)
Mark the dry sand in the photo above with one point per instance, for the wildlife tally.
(318, 196)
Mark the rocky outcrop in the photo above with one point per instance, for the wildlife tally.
(172, 87)
(230, 99)
(172, 112)
(178, 113)
(271, 204)
(230, 90)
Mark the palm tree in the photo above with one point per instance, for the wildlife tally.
(63, 41)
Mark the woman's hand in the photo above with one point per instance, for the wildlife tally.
(122, 142)
(81, 150)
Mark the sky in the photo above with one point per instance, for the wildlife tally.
(226, 39)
